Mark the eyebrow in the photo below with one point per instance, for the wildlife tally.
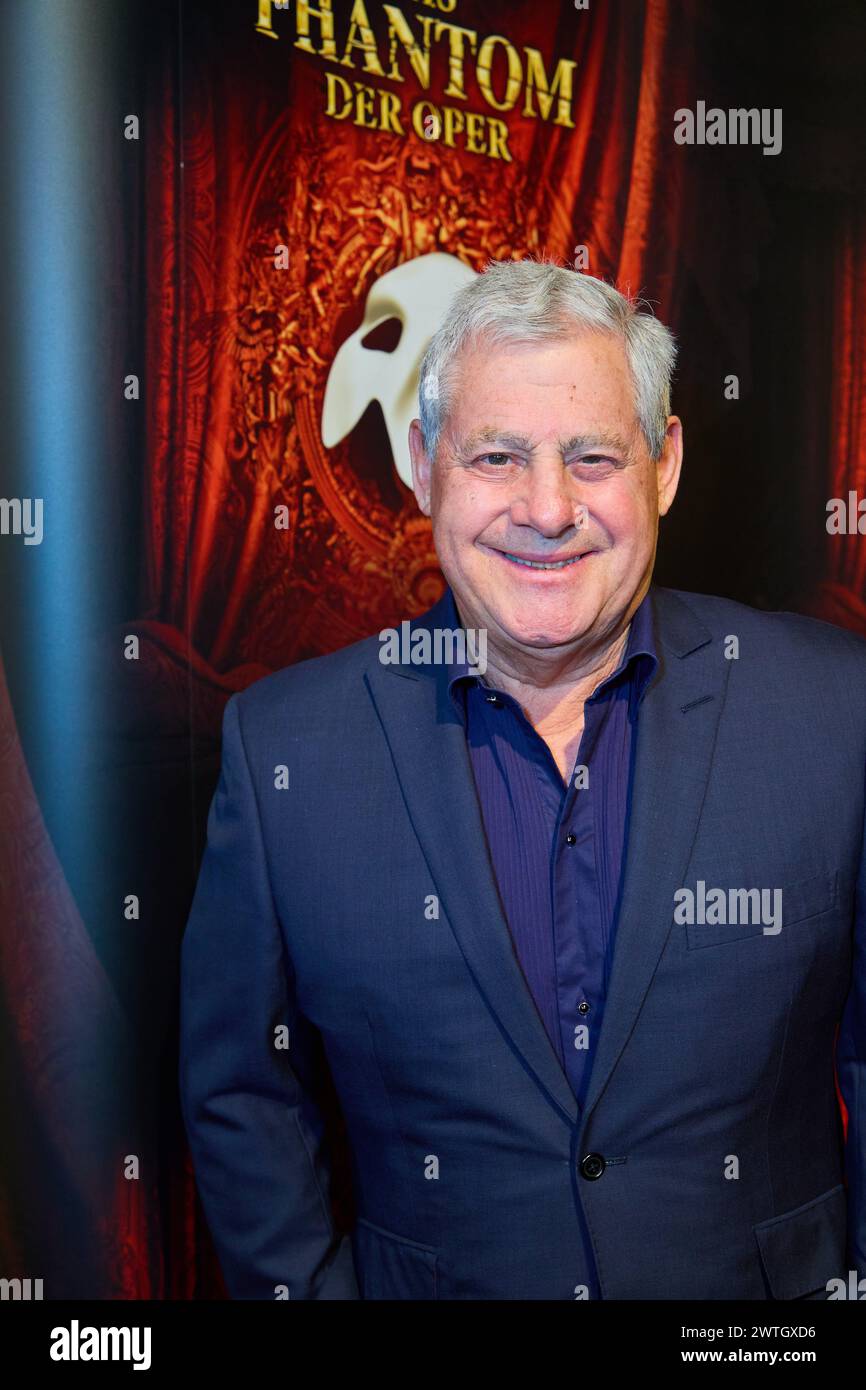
(580, 443)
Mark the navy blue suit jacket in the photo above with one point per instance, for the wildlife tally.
(356, 908)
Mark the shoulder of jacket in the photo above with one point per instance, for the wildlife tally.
(780, 632)
(315, 682)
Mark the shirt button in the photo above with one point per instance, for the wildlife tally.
(492, 699)
(583, 1007)
(570, 839)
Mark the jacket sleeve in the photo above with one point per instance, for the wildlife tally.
(255, 1133)
(851, 1073)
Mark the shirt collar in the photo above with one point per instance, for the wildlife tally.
(640, 658)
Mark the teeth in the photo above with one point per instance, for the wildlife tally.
(542, 564)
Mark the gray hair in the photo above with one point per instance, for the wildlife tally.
(517, 302)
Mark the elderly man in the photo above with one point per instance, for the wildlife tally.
(569, 931)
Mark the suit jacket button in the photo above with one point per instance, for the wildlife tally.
(592, 1166)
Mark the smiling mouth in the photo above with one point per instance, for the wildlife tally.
(542, 564)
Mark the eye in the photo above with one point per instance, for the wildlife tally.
(496, 460)
(598, 465)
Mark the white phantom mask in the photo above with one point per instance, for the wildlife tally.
(417, 293)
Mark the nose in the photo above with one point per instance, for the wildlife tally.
(545, 498)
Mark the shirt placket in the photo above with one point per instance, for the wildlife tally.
(576, 910)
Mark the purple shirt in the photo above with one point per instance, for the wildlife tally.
(558, 851)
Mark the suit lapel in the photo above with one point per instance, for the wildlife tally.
(428, 745)
(678, 721)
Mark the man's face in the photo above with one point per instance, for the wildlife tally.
(541, 456)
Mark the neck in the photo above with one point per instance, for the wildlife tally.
(551, 687)
(554, 699)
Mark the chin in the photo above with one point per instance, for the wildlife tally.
(573, 608)
(530, 630)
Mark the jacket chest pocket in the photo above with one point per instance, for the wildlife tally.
(762, 912)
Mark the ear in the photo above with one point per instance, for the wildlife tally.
(670, 463)
(422, 467)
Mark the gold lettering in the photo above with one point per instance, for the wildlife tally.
(474, 133)
(303, 12)
(484, 72)
(419, 57)
(364, 106)
(331, 81)
(418, 117)
(456, 48)
(265, 25)
(389, 106)
(546, 96)
(498, 139)
(367, 43)
(453, 124)
(537, 77)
